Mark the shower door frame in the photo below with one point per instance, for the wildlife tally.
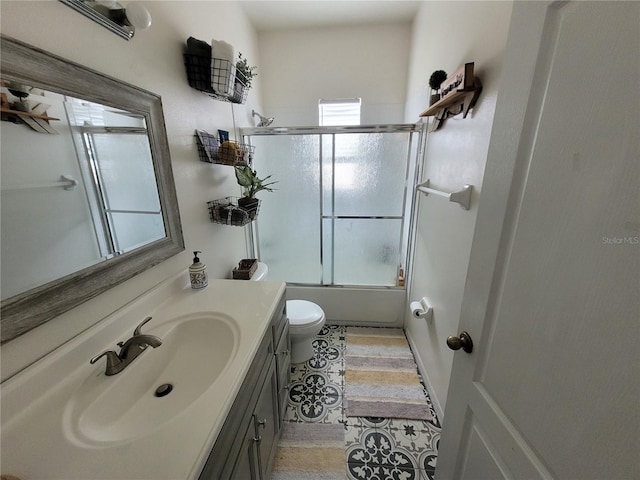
(99, 204)
(406, 241)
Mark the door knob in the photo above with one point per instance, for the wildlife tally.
(463, 341)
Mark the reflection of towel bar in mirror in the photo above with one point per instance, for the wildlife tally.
(463, 196)
(66, 182)
(141, 212)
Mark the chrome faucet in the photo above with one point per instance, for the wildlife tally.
(129, 350)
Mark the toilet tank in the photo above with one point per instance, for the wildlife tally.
(260, 273)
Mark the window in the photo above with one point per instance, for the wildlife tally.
(339, 111)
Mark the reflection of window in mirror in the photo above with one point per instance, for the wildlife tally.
(115, 160)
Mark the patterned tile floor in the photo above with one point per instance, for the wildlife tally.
(375, 448)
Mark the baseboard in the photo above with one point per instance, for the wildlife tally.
(425, 377)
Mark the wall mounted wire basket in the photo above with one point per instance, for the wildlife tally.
(228, 153)
(227, 211)
(240, 89)
(216, 77)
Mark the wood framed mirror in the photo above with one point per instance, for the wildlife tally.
(24, 65)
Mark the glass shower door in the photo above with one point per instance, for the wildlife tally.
(338, 214)
(364, 184)
(289, 218)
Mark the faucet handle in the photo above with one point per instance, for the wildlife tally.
(112, 357)
(114, 362)
(138, 330)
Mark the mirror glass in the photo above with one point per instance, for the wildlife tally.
(84, 176)
(87, 188)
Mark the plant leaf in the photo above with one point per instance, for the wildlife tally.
(244, 176)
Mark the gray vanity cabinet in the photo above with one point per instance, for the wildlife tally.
(267, 426)
(282, 341)
(246, 446)
(283, 367)
(246, 466)
(260, 440)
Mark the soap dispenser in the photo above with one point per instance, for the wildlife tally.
(198, 272)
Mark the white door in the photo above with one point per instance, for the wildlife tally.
(551, 389)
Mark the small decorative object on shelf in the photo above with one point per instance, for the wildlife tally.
(246, 268)
(435, 81)
(227, 211)
(228, 152)
(459, 93)
(223, 135)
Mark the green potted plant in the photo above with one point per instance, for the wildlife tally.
(248, 179)
(435, 81)
(244, 77)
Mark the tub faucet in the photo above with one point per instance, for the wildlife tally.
(129, 350)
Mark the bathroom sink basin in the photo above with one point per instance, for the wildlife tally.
(195, 350)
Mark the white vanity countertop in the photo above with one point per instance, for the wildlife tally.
(37, 442)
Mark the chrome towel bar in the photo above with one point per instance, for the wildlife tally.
(463, 196)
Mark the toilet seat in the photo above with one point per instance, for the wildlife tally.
(304, 315)
(305, 319)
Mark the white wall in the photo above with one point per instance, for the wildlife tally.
(445, 36)
(301, 66)
(151, 60)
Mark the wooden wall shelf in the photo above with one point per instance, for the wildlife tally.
(20, 113)
(37, 121)
(461, 100)
(460, 93)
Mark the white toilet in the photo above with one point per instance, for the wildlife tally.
(305, 321)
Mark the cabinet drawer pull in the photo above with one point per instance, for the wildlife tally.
(262, 423)
(257, 439)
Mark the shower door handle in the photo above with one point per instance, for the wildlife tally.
(463, 341)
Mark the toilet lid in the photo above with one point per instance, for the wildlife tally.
(302, 312)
